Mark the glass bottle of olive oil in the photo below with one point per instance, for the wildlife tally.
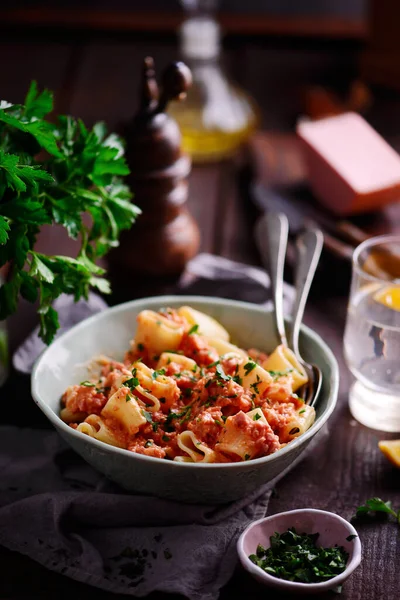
(216, 116)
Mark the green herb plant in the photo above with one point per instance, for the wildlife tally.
(55, 173)
(296, 557)
(376, 505)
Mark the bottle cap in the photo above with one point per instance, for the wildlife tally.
(200, 38)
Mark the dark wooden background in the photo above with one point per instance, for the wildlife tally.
(95, 75)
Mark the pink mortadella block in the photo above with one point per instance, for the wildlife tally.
(351, 168)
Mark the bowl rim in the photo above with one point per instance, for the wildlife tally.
(184, 299)
(293, 585)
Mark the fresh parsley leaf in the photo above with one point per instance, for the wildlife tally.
(193, 329)
(256, 417)
(38, 104)
(158, 373)
(376, 505)
(221, 374)
(213, 364)
(81, 176)
(132, 383)
(87, 383)
(249, 366)
(4, 229)
(276, 374)
(147, 416)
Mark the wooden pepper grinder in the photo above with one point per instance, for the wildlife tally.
(165, 235)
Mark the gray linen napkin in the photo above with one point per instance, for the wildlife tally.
(57, 510)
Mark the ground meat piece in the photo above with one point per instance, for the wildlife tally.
(278, 414)
(207, 426)
(113, 381)
(84, 399)
(184, 379)
(149, 448)
(110, 366)
(196, 347)
(230, 365)
(258, 356)
(230, 397)
(172, 315)
(279, 390)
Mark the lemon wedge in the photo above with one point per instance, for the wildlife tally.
(389, 296)
(391, 449)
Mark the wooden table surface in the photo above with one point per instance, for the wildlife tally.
(96, 78)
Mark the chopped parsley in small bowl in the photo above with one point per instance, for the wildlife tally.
(303, 551)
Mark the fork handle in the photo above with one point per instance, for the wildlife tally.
(273, 231)
(309, 246)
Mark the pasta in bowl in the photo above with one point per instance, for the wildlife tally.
(177, 402)
(184, 392)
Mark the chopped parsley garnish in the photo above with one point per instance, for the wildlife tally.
(195, 367)
(193, 329)
(218, 422)
(147, 416)
(87, 383)
(148, 443)
(127, 398)
(224, 418)
(276, 374)
(184, 415)
(247, 457)
(165, 438)
(155, 426)
(103, 390)
(248, 367)
(132, 383)
(296, 557)
(158, 373)
(213, 364)
(208, 383)
(302, 411)
(256, 417)
(255, 384)
(237, 379)
(221, 373)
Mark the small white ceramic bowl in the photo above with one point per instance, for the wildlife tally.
(333, 531)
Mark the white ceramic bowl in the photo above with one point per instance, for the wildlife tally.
(333, 531)
(109, 332)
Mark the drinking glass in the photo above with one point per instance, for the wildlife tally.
(372, 334)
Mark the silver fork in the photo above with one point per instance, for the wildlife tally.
(272, 234)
